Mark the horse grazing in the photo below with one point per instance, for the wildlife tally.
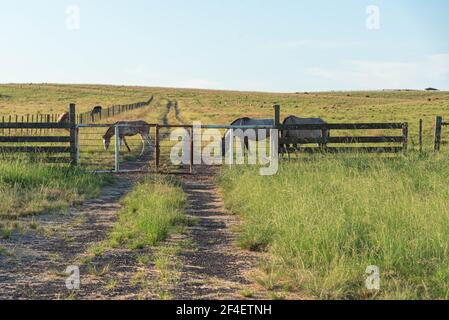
(293, 135)
(129, 129)
(63, 119)
(247, 137)
(96, 110)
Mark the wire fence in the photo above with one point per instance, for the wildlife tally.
(170, 149)
(99, 113)
(94, 116)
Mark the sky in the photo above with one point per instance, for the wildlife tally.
(257, 45)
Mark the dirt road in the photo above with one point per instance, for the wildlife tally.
(32, 265)
(214, 268)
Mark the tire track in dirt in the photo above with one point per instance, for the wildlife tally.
(35, 267)
(214, 268)
(172, 105)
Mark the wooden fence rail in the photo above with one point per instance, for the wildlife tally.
(327, 138)
(69, 140)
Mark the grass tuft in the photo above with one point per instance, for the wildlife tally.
(28, 188)
(151, 211)
(325, 220)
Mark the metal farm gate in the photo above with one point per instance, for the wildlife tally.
(184, 142)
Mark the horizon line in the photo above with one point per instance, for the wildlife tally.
(219, 89)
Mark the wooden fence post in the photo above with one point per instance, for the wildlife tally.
(158, 149)
(191, 151)
(277, 122)
(117, 149)
(438, 129)
(420, 135)
(405, 135)
(277, 116)
(72, 122)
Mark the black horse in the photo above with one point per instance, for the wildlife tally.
(246, 122)
(96, 110)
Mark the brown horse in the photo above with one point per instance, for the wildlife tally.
(64, 118)
(96, 110)
(129, 129)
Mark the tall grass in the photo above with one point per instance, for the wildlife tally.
(326, 220)
(31, 188)
(150, 212)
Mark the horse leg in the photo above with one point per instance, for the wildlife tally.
(150, 142)
(297, 150)
(126, 144)
(243, 148)
(287, 150)
(246, 146)
(143, 145)
(281, 150)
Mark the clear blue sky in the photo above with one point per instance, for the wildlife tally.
(264, 45)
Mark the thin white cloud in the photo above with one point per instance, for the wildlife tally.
(321, 44)
(439, 65)
(432, 70)
(142, 75)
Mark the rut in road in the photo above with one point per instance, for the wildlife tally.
(215, 268)
(36, 270)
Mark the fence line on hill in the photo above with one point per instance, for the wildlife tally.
(51, 138)
(82, 118)
(100, 114)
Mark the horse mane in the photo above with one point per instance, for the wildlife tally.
(63, 118)
(289, 117)
(109, 132)
(244, 118)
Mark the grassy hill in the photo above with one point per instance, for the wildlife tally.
(222, 107)
(322, 222)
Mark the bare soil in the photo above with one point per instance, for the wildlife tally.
(214, 268)
(32, 265)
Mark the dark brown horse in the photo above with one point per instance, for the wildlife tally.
(96, 110)
(244, 122)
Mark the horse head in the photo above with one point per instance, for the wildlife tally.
(106, 142)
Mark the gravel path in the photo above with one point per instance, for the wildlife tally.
(214, 268)
(210, 268)
(34, 265)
